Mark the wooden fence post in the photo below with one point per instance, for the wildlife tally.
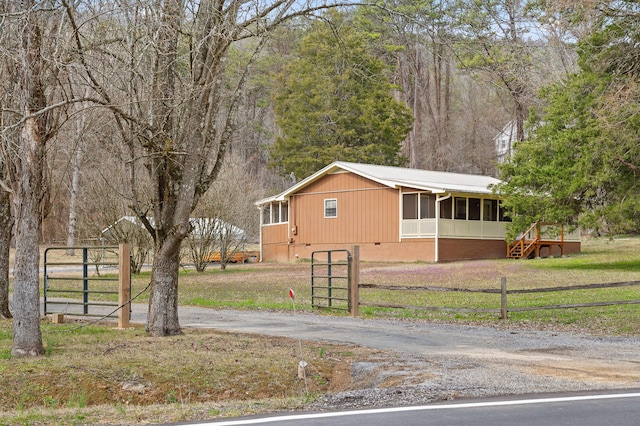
(503, 298)
(124, 288)
(354, 273)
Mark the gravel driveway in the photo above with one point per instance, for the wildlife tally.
(420, 361)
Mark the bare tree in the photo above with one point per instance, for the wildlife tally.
(499, 40)
(224, 222)
(129, 230)
(168, 68)
(231, 240)
(77, 155)
(34, 65)
(201, 242)
(230, 221)
(427, 67)
(36, 123)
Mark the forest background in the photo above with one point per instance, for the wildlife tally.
(454, 64)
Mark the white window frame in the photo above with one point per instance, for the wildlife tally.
(326, 202)
(278, 213)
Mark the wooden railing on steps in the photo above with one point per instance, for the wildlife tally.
(527, 244)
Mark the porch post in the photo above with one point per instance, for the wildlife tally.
(437, 239)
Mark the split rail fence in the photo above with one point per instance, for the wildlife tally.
(355, 299)
(503, 292)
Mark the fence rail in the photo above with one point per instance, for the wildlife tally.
(504, 308)
(323, 289)
(503, 291)
(430, 288)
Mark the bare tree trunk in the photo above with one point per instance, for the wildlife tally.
(435, 81)
(76, 165)
(162, 318)
(27, 337)
(521, 117)
(6, 223)
(163, 302)
(414, 137)
(29, 192)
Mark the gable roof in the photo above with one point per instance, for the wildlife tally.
(396, 177)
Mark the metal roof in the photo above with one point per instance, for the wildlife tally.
(396, 177)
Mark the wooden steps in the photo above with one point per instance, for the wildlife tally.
(529, 243)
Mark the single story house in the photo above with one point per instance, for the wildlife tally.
(392, 213)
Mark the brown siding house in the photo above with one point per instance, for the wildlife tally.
(392, 213)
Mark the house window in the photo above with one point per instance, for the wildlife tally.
(266, 214)
(331, 207)
(490, 210)
(410, 206)
(446, 207)
(427, 206)
(460, 208)
(474, 208)
(277, 212)
(418, 206)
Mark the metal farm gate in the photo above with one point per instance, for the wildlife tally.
(331, 279)
(97, 284)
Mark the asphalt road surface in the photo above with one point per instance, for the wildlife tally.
(406, 336)
(584, 410)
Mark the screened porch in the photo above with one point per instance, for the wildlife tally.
(424, 214)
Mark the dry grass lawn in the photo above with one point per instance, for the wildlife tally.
(94, 374)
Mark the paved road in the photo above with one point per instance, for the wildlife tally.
(584, 410)
(406, 336)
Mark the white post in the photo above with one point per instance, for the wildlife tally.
(437, 242)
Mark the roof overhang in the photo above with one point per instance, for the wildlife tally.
(376, 174)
